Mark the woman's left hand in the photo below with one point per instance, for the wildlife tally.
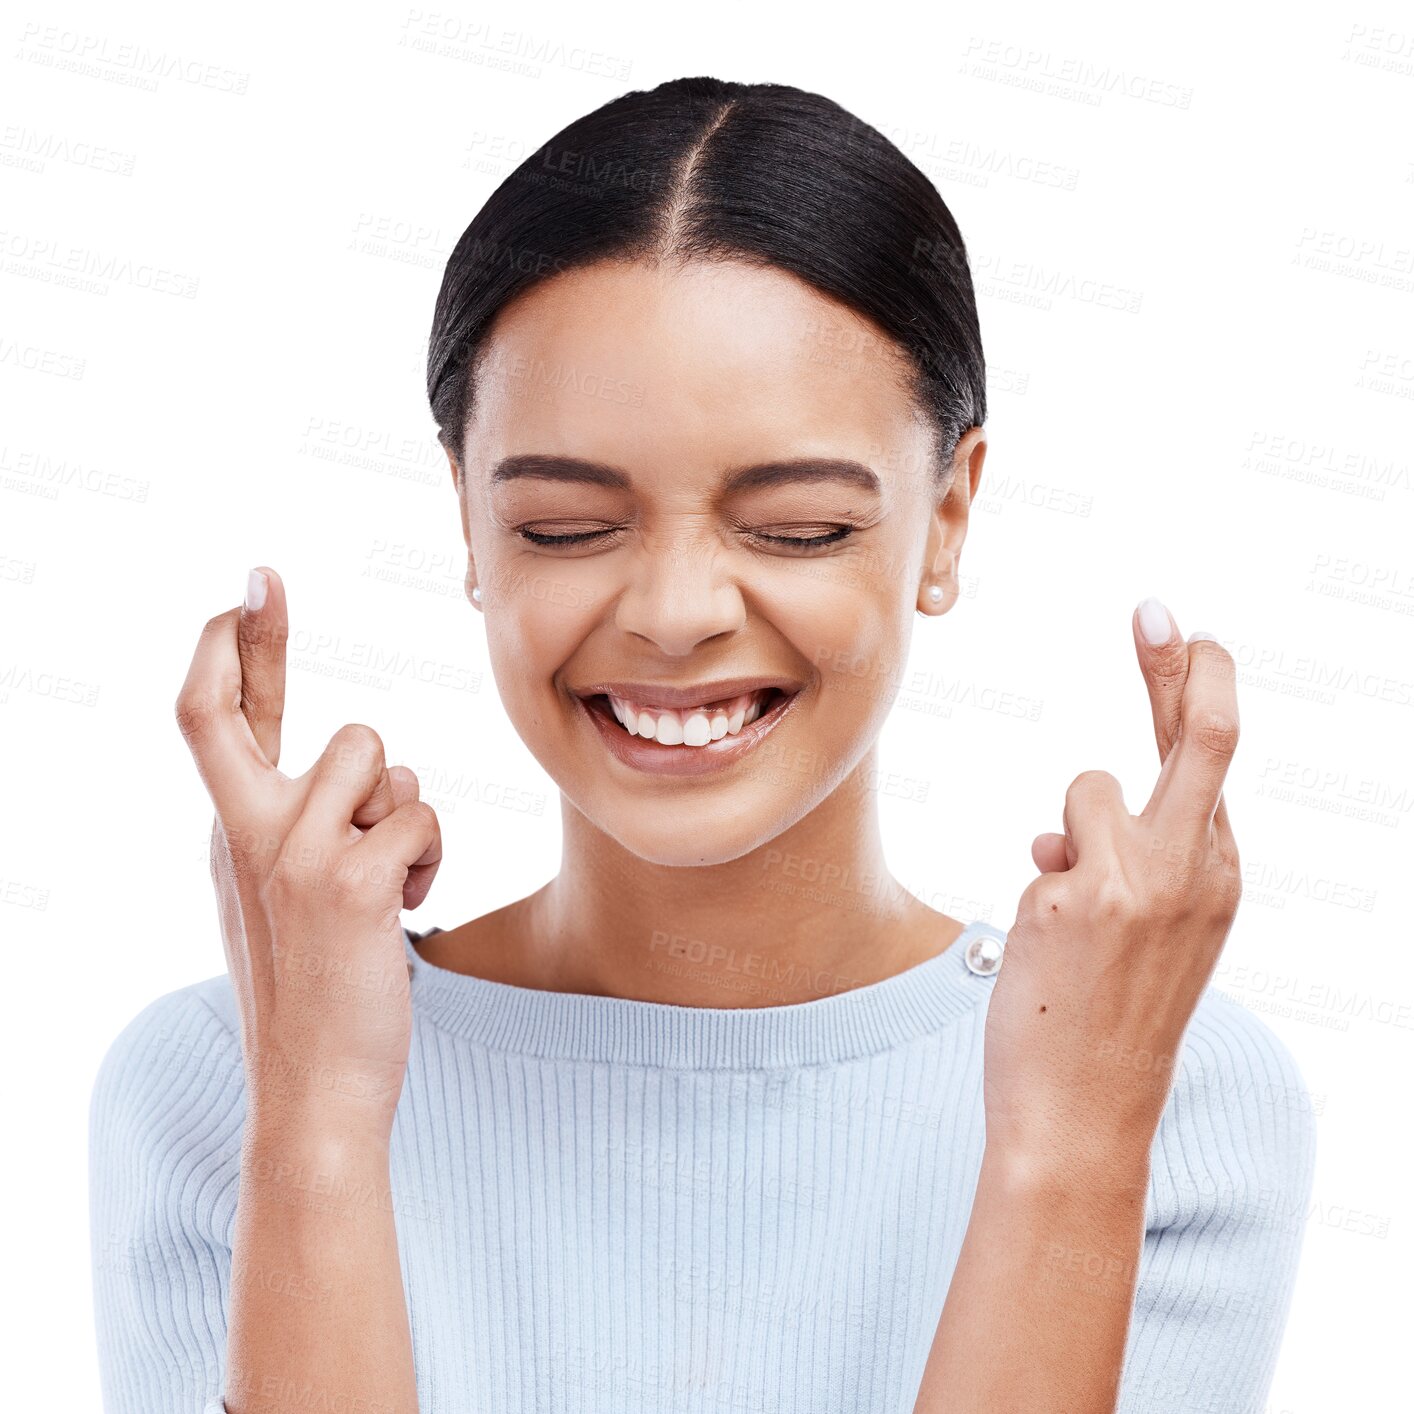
(1111, 949)
(1115, 941)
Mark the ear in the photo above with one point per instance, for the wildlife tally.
(947, 528)
(458, 484)
(454, 467)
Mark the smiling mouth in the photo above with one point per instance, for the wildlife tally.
(690, 729)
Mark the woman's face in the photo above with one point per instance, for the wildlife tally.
(695, 428)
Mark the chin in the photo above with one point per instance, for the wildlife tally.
(675, 834)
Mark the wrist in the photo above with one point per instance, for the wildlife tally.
(1117, 1163)
(320, 1100)
(315, 1127)
(286, 1137)
(311, 1179)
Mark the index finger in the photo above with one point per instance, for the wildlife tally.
(264, 631)
(1163, 657)
(1188, 794)
(209, 716)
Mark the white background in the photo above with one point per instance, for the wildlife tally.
(1192, 241)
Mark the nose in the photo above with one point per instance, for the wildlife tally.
(678, 597)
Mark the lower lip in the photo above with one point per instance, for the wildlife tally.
(657, 759)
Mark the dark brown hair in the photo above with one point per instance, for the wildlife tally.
(706, 169)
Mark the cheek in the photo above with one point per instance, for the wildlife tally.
(532, 632)
(856, 643)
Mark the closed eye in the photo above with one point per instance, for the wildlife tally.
(806, 542)
(538, 538)
(795, 542)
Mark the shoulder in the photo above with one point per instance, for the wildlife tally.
(1230, 1186)
(165, 1121)
(1239, 1130)
(172, 1078)
(197, 1020)
(1226, 1039)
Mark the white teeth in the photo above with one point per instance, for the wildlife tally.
(695, 727)
(696, 730)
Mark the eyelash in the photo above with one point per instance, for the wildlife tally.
(838, 534)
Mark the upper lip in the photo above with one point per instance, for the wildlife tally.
(661, 694)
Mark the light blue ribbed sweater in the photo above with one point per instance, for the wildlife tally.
(617, 1207)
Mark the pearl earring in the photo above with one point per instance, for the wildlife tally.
(935, 593)
(476, 592)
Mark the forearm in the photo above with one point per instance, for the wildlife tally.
(317, 1304)
(1037, 1315)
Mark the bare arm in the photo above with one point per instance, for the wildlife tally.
(317, 1301)
(1038, 1310)
(1112, 947)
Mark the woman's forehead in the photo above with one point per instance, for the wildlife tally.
(634, 354)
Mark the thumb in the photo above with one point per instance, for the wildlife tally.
(1053, 853)
(396, 787)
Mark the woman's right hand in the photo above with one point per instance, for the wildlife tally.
(311, 874)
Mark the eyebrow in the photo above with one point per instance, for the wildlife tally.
(746, 478)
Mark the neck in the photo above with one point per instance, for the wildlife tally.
(813, 912)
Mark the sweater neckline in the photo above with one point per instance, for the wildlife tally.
(579, 1026)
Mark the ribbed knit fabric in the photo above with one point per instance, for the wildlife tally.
(618, 1207)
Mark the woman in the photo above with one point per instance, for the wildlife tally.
(721, 1117)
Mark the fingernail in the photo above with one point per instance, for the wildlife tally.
(1154, 621)
(1201, 633)
(255, 590)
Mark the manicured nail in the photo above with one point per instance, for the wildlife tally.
(1154, 621)
(255, 586)
(1201, 633)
